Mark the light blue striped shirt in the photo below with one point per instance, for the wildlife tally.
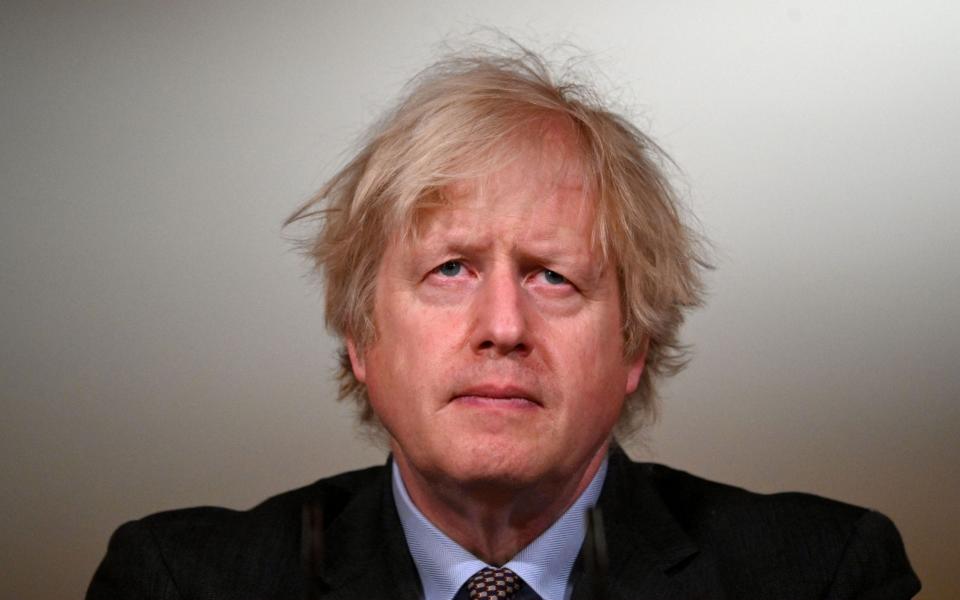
(545, 564)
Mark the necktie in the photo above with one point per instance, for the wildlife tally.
(494, 584)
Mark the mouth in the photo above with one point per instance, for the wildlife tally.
(502, 396)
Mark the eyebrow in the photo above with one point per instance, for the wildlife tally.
(421, 248)
(586, 268)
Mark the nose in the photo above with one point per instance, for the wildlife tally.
(500, 321)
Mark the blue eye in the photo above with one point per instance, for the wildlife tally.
(554, 278)
(451, 268)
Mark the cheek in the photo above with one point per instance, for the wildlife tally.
(425, 332)
(592, 341)
(411, 350)
(593, 362)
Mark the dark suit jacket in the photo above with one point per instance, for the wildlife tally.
(670, 535)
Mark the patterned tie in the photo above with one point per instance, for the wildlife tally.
(495, 584)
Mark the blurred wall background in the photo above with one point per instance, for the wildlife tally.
(161, 345)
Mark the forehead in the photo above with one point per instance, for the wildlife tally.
(538, 189)
(530, 201)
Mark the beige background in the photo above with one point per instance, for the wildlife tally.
(160, 345)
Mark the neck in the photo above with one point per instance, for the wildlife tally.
(494, 522)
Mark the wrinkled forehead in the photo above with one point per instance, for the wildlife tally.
(544, 161)
(547, 165)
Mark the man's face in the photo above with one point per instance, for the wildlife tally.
(499, 352)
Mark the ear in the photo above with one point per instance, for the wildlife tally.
(635, 366)
(356, 361)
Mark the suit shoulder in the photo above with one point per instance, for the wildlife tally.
(333, 492)
(838, 549)
(194, 550)
(694, 499)
(749, 526)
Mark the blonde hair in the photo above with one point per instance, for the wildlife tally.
(457, 120)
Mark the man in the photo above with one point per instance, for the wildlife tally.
(508, 270)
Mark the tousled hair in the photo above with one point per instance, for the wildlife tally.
(460, 119)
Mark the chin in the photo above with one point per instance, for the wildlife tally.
(512, 465)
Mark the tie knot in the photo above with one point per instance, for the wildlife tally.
(495, 584)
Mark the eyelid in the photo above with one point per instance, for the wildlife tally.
(557, 273)
(459, 260)
(567, 281)
(466, 269)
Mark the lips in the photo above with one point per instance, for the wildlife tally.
(496, 394)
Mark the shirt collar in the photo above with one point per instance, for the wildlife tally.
(545, 564)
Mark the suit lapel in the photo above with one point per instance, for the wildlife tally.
(364, 553)
(648, 550)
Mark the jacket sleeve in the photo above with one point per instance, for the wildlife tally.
(874, 565)
(133, 568)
